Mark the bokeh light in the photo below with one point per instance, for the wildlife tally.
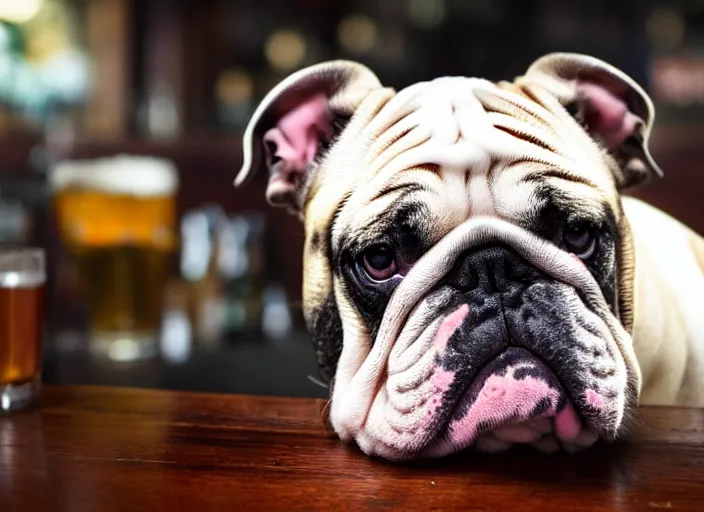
(665, 28)
(285, 49)
(426, 13)
(357, 33)
(19, 11)
(234, 86)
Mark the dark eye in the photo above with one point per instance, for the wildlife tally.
(573, 109)
(580, 239)
(379, 262)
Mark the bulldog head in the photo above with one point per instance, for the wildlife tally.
(468, 270)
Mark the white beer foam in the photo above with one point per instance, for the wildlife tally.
(141, 176)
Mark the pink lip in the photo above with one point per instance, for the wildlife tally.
(515, 399)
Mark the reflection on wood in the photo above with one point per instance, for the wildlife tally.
(119, 449)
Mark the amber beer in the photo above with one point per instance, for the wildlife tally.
(117, 218)
(22, 281)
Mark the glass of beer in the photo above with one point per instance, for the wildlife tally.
(116, 217)
(22, 282)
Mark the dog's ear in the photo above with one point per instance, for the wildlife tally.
(609, 104)
(297, 121)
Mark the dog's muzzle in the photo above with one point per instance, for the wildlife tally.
(494, 337)
(500, 391)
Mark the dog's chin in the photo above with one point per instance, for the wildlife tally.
(437, 400)
(515, 399)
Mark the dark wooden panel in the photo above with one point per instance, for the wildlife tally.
(15, 153)
(109, 43)
(679, 152)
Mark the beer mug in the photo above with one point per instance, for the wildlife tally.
(116, 217)
(22, 282)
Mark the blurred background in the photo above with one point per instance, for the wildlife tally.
(197, 286)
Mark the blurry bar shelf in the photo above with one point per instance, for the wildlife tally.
(226, 149)
(249, 366)
(665, 139)
(15, 150)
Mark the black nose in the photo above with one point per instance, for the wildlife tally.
(491, 269)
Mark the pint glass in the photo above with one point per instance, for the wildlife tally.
(116, 217)
(22, 282)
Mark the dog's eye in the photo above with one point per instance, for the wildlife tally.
(580, 239)
(379, 262)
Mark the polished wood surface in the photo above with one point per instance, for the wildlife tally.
(99, 448)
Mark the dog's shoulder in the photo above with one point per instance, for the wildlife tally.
(667, 333)
(662, 233)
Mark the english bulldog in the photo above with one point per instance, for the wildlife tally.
(474, 274)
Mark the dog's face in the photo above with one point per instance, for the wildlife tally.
(468, 267)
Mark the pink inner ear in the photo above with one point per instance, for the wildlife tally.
(295, 141)
(608, 115)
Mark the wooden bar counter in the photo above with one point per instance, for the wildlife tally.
(105, 449)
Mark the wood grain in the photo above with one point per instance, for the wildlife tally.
(106, 449)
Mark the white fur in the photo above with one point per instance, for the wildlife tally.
(361, 407)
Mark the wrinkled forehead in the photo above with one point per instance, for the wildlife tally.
(443, 122)
(449, 109)
(460, 123)
(460, 128)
